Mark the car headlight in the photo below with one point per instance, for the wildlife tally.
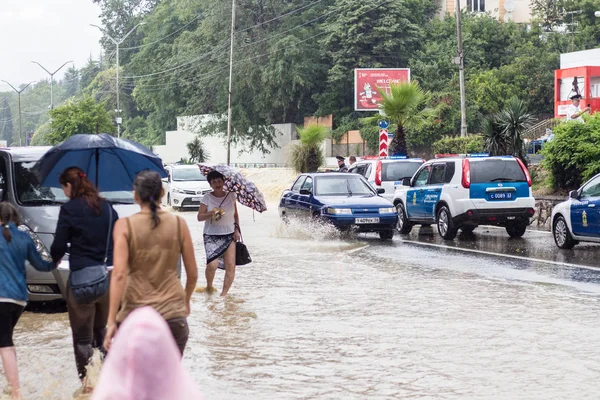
(389, 210)
(177, 190)
(39, 245)
(339, 211)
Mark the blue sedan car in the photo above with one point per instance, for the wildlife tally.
(342, 199)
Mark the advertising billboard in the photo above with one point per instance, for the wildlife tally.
(367, 80)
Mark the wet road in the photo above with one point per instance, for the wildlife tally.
(322, 316)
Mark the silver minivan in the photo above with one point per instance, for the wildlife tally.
(39, 208)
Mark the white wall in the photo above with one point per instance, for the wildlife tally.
(585, 58)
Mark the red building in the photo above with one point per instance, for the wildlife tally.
(579, 74)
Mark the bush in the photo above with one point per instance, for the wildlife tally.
(459, 145)
(573, 156)
(307, 156)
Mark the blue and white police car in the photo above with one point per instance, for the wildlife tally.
(464, 191)
(578, 218)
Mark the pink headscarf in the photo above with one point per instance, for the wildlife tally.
(144, 363)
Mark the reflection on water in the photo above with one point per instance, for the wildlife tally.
(321, 316)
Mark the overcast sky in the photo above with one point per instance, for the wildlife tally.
(47, 31)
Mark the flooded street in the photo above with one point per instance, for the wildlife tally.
(322, 316)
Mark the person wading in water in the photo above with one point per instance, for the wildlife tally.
(221, 231)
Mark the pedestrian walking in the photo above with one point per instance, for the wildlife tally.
(84, 230)
(144, 363)
(16, 247)
(218, 211)
(148, 246)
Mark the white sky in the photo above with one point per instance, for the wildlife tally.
(47, 31)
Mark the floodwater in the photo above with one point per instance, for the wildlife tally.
(319, 316)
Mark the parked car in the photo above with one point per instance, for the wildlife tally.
(578, 218)
(185, 186)
(386, 173)
(344, 200)
(39, 208)
(462, 192)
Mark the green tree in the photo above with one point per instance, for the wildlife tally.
(6, 122)
(307, 156)
(198, 154)
(513, 121)
(407, 107)
(70, 82)
(495, 140)
(83, 116)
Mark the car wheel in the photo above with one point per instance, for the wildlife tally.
(445, 224)
(386, 235)
(517, 230)
(468, 229)
(403, 225)
(169, 200)
(285, 218)
(562, 235)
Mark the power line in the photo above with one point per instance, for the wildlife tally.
(163, 38)
(280, 16)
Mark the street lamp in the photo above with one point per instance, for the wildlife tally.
(51, 80)
(20, 122)
(118, 42)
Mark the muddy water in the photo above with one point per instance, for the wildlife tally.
(322, 316)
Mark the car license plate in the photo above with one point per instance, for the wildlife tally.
(366, 220)
(501, 196)
(196, 198)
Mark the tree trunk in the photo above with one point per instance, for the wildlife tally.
(398, 145)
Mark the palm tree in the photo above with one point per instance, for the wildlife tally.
(495, 140)
(513, 121)
(406, 107)
(197, 151)
(308, 156)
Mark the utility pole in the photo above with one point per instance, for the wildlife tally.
(118, 42)
(461, 73)
(229, 111)
(20, 115)
(51, 80)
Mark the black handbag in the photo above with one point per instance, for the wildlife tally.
(242, 255)
(89, 284)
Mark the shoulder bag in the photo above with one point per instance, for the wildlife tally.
(89, 284)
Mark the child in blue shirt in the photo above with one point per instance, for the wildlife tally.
(16, 247)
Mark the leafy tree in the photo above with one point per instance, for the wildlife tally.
(198, 154)
(6, 122)
(70, 82)
(459, 145)
(513, 121)
(84, 116)
(406, 107)
(307, 156)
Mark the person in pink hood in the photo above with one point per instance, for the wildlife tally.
(144, 363)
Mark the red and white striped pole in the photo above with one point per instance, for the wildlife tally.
(383, 138)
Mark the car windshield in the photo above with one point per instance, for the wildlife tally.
(30, 193)
(349, 185)
(495, 170)
(396, 171)
(188, 174)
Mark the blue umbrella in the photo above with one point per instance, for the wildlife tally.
(110, 163)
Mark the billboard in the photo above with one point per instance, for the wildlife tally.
(367, 80)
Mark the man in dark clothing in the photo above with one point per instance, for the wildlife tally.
(341, 164)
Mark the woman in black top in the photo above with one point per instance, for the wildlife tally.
(84, 223)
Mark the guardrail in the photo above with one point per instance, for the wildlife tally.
(538, 130)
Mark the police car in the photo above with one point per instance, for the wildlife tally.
(386, 172)
(465, 191)
(578, 218)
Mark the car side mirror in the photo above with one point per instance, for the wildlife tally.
(406, 182)
(380, 190)
(574, 194)
(305, 192)
(165, 180)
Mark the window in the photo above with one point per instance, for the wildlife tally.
(343, 186)
(592, 189)
(438, 173)
(450, 168)
(308, 184)
(476, 5)
(188, 174)
(396, 171)
(496, 170)
(423, 177)
(3, 179)
(298, 183)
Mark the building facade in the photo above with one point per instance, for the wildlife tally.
(518, 11)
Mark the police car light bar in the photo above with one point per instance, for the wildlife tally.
(468, 155)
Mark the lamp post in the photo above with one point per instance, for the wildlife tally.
(229, 111)
(51, 80)
(118, 42)
(20, 119)
(461, 73)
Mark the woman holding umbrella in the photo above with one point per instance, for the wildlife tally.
(221, 230)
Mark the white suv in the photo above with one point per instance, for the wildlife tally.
(461, 192)
(386, 173)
